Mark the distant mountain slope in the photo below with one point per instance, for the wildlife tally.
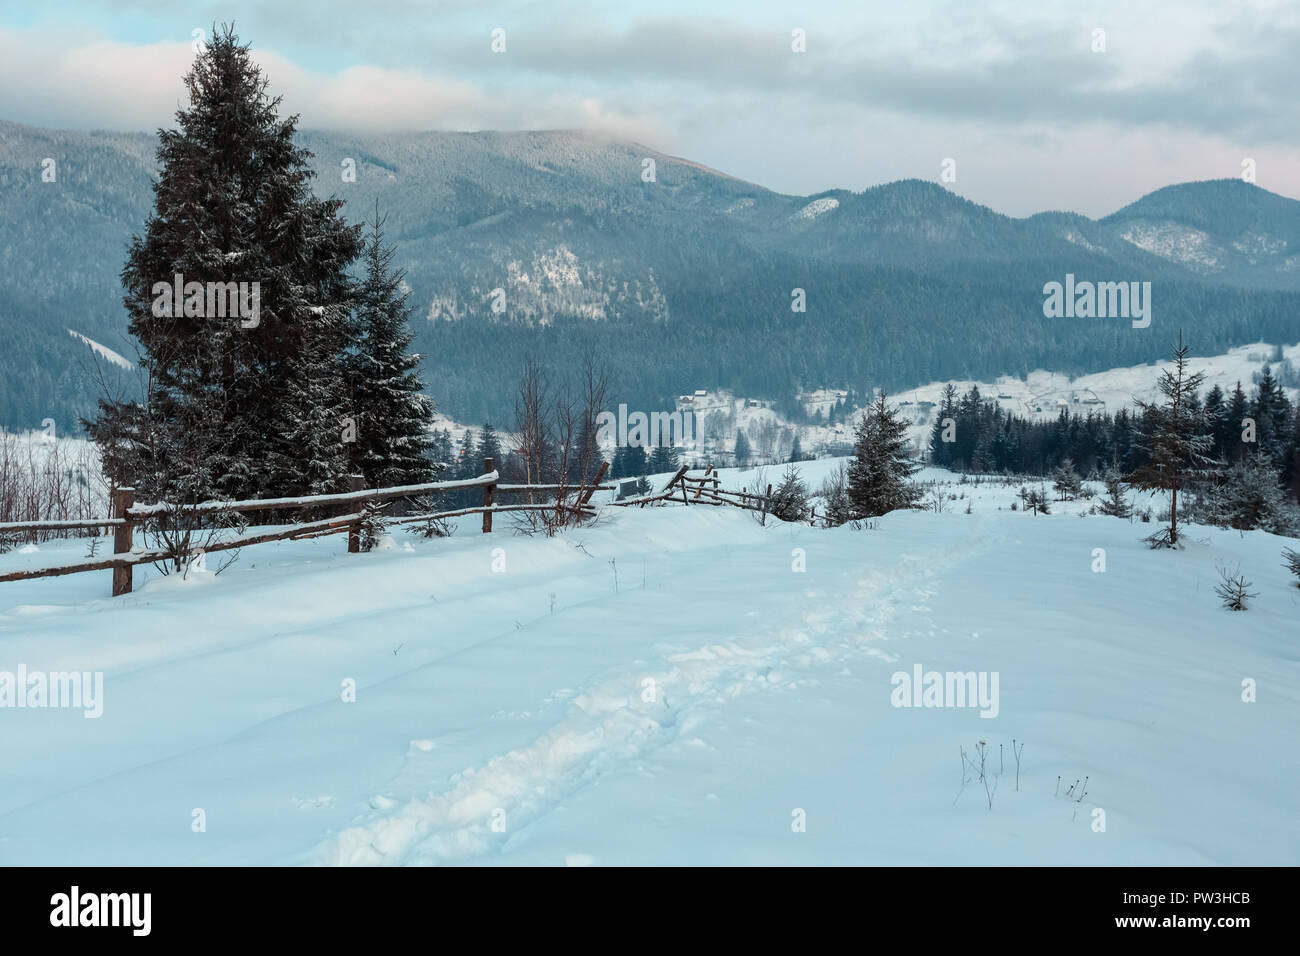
(1226, 229)
(680, 282)
(62, 245)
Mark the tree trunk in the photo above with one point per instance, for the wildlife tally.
(1173, 518)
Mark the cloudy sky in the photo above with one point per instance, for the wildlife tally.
(1015, 93)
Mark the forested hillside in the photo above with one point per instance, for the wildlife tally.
(682, 282)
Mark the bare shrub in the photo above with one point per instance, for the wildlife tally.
(556, 427)
(50, 479)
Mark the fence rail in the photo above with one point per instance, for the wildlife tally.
(356, 496)
(128, 515)
(60, 524)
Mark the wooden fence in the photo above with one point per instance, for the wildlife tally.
(127, 515)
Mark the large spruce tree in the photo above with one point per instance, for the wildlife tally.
(233, 203)
(393, 445)
(881, 466)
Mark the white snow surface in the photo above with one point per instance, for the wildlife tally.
(1178, 243)
(663, 687)
(102, 350)
(817, 207)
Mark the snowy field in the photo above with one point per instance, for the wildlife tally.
(665, 687)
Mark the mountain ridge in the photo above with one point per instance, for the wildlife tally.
(149, 139)
(590, 256)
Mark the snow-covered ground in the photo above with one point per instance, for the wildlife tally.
(666, 686)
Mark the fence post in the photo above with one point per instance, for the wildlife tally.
(488, 490)
(123, 499)
(355, 483)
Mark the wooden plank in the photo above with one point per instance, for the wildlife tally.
(348, 497)
(61, 525)
(645, 499)
(312, 535)
(338, 523)
(306, 501)
(738, 494)
(676, 478)
(123, 559)
(604, 467)
(552, 489)
(549, 506)
(112, 562)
